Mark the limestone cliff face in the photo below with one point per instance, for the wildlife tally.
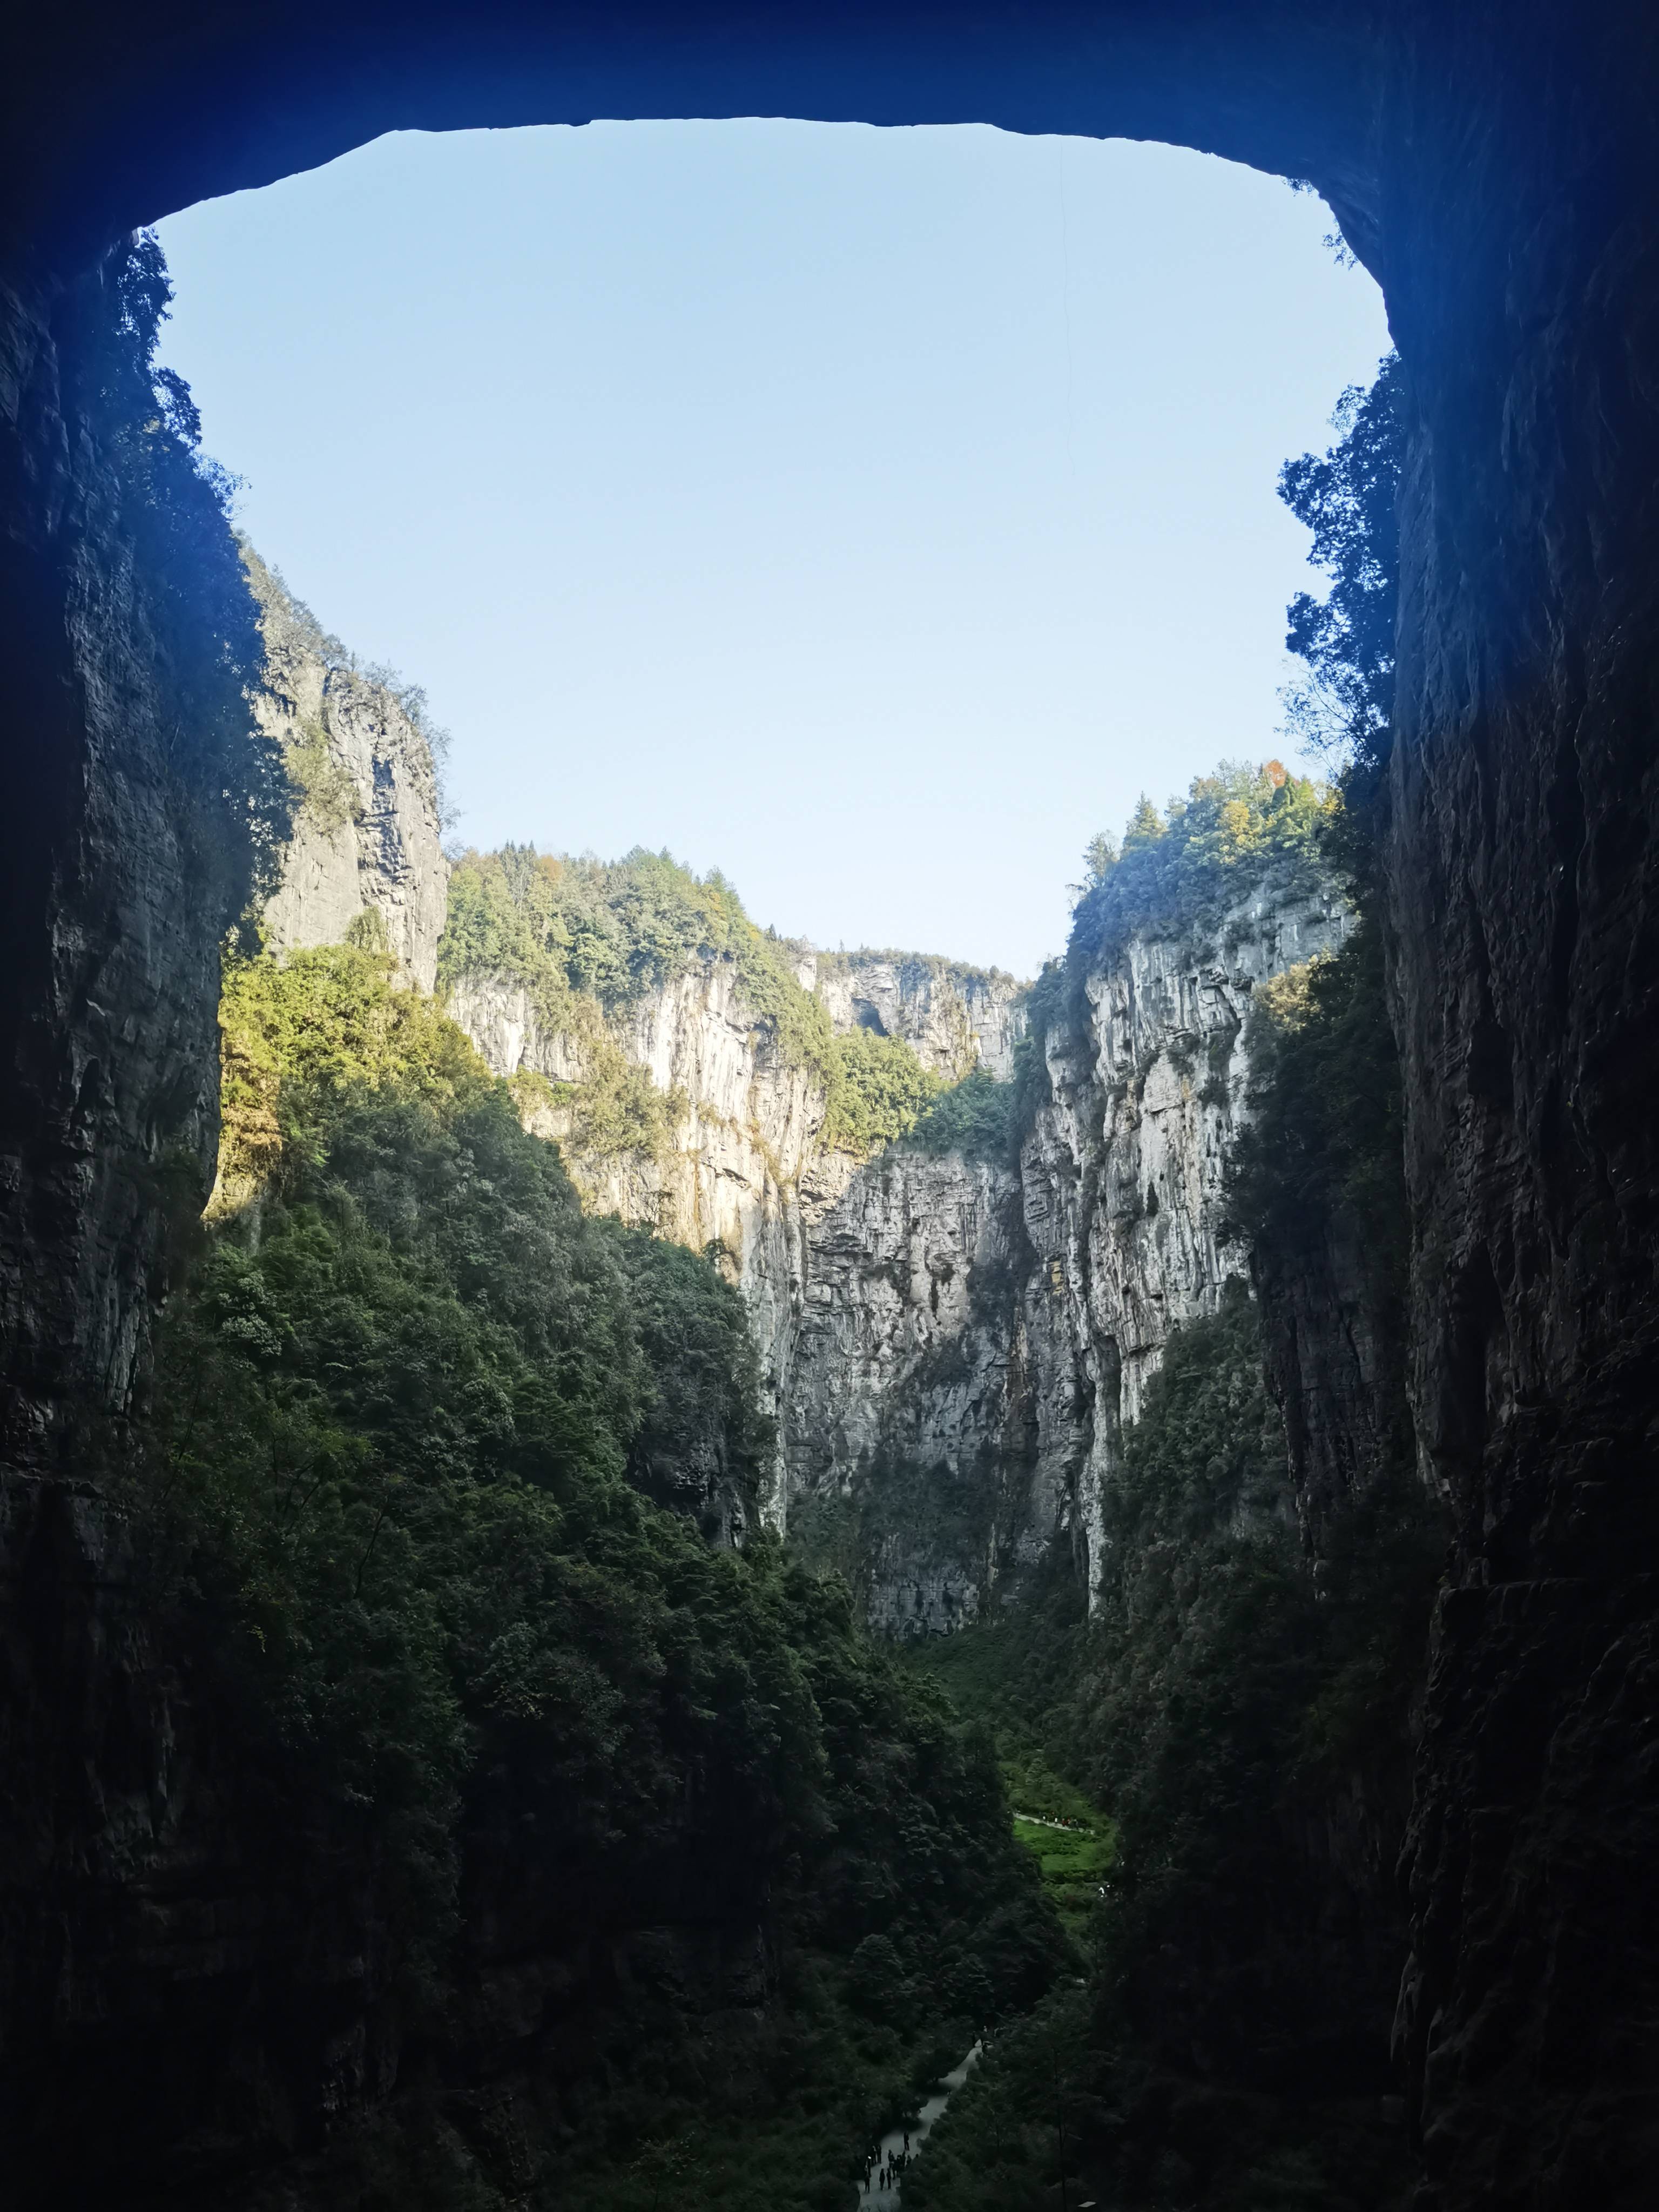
(1121, 1176)
(366, 835)
(740, 1161)
(975, 1334)
(954, 1018)
(910, 1436)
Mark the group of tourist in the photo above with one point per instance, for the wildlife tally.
(887, 2173)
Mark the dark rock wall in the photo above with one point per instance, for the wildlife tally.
(1523, 266)
(1334, 1356)
(1494, 165)
(116, 886)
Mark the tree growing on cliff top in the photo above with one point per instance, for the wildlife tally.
(1184, 863)
(1344, 705)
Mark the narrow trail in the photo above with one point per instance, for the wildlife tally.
(884, 2195)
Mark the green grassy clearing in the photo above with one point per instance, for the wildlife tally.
(1074, 1864)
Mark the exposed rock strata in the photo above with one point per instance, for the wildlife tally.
(951, 1344)
(743, 1168)
(120, 872)
(367, 838)
(954, 1018)
(1494, 167)
(910, 1420)
(975, 1334)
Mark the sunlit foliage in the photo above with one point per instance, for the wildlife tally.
(588, 939)
(1181, 865)
(384, 1498)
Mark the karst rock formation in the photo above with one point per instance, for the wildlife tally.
(1493, 166)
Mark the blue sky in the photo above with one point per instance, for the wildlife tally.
(872, 514)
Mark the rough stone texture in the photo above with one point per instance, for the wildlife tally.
(1524, 891)
(974, 1336)
(746, 1168)
(743, 1167)
(950, 1346)
(1493, 165)
(1333, 1338)
(117, 883)
(1122, 1175)
(954, 1018)
(908, 1431)
(367, 836)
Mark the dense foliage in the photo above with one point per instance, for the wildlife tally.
(386, 1501)
(1177, 869)
(323, 787)
(588, 937)
(1223, 1693)
(1242, 826)
(880, 1089)
(975, 1116)
(1347, 498)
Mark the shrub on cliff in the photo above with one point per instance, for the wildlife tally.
(878, 1091)
(975, 1116)
(612, 931)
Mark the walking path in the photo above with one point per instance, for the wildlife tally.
(1067, 1827)
(882, 2184)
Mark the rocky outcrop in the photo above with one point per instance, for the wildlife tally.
(1493, 166)
(132, 786)
(736, 1166)
(949, 1343)
(954, 1018)
(737, 1162)
(909, 1424)
(1122, 1173)
(975, 1334)
(367, 840)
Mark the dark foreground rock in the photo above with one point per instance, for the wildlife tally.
(1494, 166)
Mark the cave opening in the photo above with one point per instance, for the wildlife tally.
(1496, 176)
(872, 475)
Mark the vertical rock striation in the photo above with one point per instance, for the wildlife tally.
(909, 1436)
(126, 853)
(954, 1018)
(734, 1154)
(977, 1330)
(367, 837)
(737, 1164)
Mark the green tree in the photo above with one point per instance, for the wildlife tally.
(1347, 498)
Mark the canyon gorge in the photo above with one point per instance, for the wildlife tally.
(200, 1978)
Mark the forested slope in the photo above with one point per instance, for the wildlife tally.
(526, 1836)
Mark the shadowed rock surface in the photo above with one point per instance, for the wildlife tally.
(1494, 167)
